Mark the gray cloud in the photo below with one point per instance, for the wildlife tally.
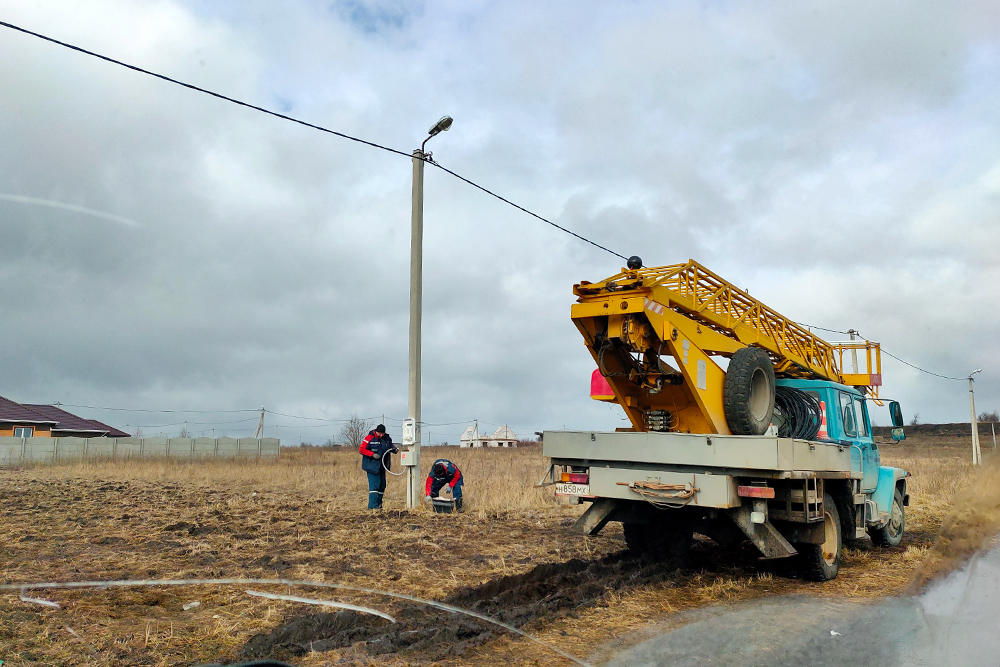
(838, 160)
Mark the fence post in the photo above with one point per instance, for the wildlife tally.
(22, 450)
(142, 447)
(215, 452)
(55, 450)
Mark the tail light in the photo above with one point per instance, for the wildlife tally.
(576, 477)
(755, 492)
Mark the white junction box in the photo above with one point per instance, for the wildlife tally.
(407, 457)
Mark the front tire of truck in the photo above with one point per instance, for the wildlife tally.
(891, 534)
(821, 562)
(666, 541)
(748, 392)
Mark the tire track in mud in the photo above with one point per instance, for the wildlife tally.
(549, 591)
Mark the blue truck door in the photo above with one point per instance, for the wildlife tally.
(855, 425)
(868, 446)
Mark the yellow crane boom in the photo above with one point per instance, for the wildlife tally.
(632, 319)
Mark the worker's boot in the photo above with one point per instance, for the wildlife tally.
(458, 504)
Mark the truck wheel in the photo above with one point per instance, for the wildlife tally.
(821, 562)
(668, 541)
(891, 534)
(635, 537)
(748, 392)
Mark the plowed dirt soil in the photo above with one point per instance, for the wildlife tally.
(286, 520)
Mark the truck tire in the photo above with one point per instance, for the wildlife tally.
(821, 562)
(891, 534)
(668, 541)
(748, 392)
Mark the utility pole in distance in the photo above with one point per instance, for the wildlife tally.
(977, 456)
(411, 435)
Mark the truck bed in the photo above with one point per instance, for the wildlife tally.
(710, 465)
(784, 456)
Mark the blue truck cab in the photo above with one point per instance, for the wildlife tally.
(846, 422)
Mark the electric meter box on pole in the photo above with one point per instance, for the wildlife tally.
(407, 457)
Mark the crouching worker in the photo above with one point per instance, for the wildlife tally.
(444, 472)
(373, 448)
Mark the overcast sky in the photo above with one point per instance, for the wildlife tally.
(165, 250)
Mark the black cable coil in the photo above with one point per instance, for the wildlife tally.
(797, 413)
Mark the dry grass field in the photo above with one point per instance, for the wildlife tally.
(510, 555)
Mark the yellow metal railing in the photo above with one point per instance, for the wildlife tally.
(704, 296)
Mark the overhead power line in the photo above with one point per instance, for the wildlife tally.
(203, 412)
(946, 377)
(313, 126)
(884, 351)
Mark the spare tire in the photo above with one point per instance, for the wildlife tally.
(748, 393)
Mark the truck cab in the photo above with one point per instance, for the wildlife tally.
(846, 421)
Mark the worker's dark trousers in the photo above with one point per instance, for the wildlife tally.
(376, 489)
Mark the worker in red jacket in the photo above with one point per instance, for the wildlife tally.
(444, 472)
(375, 446)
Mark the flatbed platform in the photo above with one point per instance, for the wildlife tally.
(783, 457)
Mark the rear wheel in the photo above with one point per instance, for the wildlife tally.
(748, 392)
(821, 562)
(891, 534)
(665, 539)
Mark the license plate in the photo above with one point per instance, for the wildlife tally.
(563, 489)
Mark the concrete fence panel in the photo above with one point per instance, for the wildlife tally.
(228, 446)
(16, 451)
(39, 449)
(68, 448)
(203, 448)
(127, 448)
(100, 448)
(154, 447)
(180, 448)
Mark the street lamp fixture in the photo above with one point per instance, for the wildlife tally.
(436, 129)
(411, 429)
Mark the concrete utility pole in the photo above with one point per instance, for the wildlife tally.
(854, 353)
(259, 433)
(413, 490)
(977, 456)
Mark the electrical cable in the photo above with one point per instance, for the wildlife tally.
(203, 412)
(886, 352)
(521, 208)
(394, 474)
(300, 122)
(799, 413)
(946, 377)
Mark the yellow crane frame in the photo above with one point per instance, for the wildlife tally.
(696, 315)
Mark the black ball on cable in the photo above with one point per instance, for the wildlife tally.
(634, 262)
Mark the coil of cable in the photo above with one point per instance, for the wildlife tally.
(798, 413)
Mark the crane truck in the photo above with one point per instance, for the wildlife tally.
(745, 425)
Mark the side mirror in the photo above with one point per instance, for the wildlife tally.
(897, 434)
(896, 414)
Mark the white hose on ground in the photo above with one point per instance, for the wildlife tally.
(132, 583)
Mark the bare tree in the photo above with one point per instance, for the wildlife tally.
(915, 420)
(354, 431)
(990, 416)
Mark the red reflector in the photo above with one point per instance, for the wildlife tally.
(755, 491)
(576, 477)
